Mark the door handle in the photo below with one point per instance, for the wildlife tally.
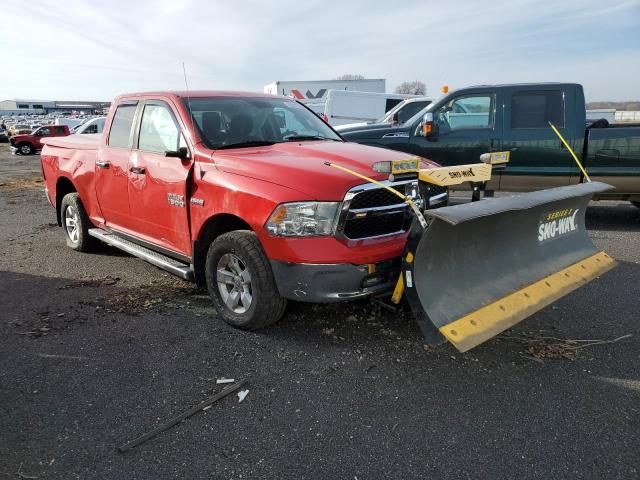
(104, 164)
(137, 170)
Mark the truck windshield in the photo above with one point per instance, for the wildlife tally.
(234, 122)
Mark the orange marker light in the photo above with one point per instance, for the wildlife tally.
(445, 89)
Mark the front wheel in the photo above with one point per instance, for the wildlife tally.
(25, 148)
(240, 282)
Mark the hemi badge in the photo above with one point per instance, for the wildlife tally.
(197, 201)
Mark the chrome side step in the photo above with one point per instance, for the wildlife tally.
(175, 267)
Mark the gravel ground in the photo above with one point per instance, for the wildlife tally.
(98, 349)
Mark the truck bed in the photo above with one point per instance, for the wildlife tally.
(77, 142)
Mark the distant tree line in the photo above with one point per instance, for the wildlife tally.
(350, 76)
(415, 87)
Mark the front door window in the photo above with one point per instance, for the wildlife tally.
(468, 112)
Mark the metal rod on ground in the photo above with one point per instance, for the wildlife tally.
(178, 418)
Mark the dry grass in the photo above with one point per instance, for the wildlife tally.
(33, 182)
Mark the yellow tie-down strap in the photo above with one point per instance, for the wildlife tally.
(485, 323)
(447, 176)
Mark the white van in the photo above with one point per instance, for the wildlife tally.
(343, 106)
(69, 122)
(95, 125)
(397, 115)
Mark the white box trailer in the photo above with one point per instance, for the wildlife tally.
(344, 107)
(316, 90)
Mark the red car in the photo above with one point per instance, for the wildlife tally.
(28, 144)
(232, 191)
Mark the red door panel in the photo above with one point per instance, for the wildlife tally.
(157, 183)
(112, 177)
(112, 169)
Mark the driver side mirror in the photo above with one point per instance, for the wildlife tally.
(395, 119)
(182, 153)
(427, 128)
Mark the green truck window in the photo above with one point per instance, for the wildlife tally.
(468, 112)
(535, 109)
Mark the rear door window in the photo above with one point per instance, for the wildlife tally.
(59, 130)
(120, 134)
(535, 109)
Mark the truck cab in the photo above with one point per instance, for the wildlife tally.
(469, 122)
(28, 144)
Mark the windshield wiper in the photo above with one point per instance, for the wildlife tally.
(298, 138)
(252, 143)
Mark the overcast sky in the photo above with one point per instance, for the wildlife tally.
(93, 50)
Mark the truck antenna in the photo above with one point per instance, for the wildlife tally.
(186, 84)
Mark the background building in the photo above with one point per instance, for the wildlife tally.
(42, 107)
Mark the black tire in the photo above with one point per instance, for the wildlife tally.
(26, 148)
(71, 209)
(635, 204)
(265, 306)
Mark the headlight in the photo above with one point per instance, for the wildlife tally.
(303, 219)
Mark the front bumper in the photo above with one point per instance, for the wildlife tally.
(323, 283)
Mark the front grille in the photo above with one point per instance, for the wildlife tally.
(377, 197)
(376, 225)
(429, 191)
(373, 211)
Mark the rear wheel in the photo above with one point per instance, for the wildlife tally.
(25, 148)
(241, 283)
(76, 224)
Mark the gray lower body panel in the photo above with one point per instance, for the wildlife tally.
(328, 282)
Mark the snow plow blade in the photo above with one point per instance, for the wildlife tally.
(482, 267)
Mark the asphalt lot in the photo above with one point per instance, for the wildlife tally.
(98, 349)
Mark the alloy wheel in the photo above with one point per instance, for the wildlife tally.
(234, 283)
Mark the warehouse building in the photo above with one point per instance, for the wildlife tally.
(21, 107)
(43, 107)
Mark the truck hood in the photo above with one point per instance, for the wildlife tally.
(301, 165)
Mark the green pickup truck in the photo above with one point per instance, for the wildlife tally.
(462, 125)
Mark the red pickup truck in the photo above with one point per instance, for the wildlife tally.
(32, 142)
(232, 191)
